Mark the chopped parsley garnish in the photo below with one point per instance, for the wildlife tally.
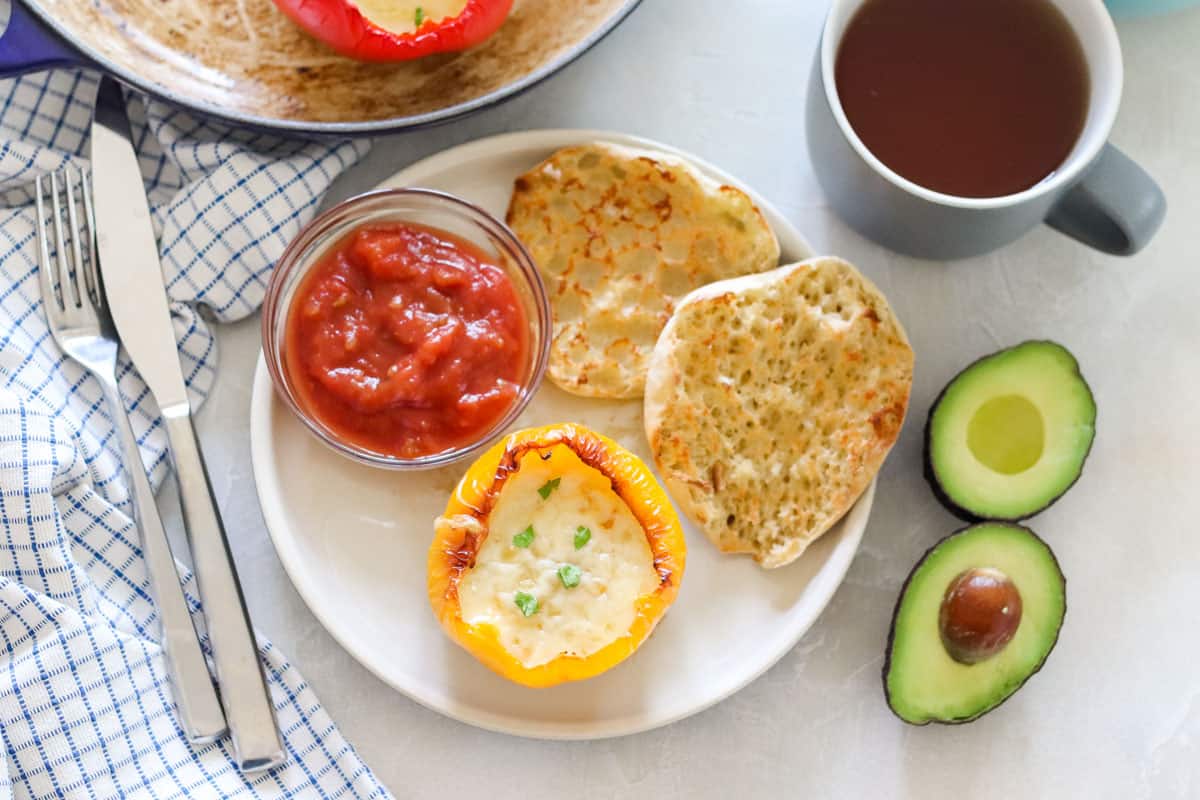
(524, 538)
(582, 536)
(569, 574)
(548, 487)
(526, 602)
(419, 16)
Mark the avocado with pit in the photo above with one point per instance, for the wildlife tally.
(978, 616)
(1010, 433)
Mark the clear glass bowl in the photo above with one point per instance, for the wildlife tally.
(425, 207)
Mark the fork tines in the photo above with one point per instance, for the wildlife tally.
(67, 264)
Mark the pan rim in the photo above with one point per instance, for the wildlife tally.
(92, 58)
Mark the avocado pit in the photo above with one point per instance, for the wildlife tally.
(979, 615)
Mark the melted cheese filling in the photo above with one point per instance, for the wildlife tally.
(616, 565)
(401, 17)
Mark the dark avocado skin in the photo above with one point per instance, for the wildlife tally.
(891, 638)
(931, 475)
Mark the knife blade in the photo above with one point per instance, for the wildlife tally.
(133, 280)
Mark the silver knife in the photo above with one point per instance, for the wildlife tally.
(136, 294)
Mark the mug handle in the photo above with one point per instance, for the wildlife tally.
(27, 46)
(1116, 207)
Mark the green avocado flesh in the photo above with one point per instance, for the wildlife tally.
(1010, 433)
(922, 682)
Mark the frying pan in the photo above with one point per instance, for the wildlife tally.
(244, 62)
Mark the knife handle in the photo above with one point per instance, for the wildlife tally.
(191, 685)
(248, 709)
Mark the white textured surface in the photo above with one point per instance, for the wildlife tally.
(1116, 710)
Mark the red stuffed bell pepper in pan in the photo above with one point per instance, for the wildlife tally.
(397, 30)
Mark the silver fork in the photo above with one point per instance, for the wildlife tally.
(77, 312)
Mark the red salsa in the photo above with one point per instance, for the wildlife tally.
(406, 340)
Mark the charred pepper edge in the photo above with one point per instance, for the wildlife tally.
(459, 533)
(595, 453)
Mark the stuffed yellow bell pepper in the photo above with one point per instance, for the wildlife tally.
(557, 555)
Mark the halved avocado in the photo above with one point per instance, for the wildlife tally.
(978, 616)
(1009, 434)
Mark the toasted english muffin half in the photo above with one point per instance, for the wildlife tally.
(620, 235)
(772, 401)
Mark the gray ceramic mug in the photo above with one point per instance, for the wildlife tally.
(1098, 196)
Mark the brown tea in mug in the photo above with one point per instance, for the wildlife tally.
(975, 98)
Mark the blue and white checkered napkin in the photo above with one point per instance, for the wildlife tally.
(85, 710)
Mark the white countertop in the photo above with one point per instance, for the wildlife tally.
(1115, 712)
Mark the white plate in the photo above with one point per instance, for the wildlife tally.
(354, 540)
